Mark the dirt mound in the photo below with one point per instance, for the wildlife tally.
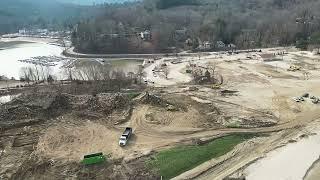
(51, 105)
(155, 100)
(152, 99)
(59, 105)
(180, 119)
(107, 102)
(102, 105)
(71, 143)
(30, 106)
(248, 122)
(14, 113)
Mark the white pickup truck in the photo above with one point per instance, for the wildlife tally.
(125, 136)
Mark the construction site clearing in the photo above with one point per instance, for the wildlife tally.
(46, 134)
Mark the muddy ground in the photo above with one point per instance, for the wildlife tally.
(44, 134)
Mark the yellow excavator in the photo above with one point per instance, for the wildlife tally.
(216, 86)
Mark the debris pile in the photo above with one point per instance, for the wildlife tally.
(11, 113)
(30, 106)
(59, 105)
(314, 99)
(106, 103)
(147, 98)
(248, 122)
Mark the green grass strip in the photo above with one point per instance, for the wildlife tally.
(170, 163)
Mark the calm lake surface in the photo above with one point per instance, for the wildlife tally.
(13, 51)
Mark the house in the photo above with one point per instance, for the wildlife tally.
(3, 78)
(145, 35)
(42, 31)
(205, 45)
(220, 44)
(22, 31)
(189, 42)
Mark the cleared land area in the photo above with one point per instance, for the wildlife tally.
(175, 116)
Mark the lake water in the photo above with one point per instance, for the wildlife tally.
(13, 51)
(10, 54)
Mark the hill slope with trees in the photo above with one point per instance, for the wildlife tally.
(17, 14)
(172, 23)
(91, 2)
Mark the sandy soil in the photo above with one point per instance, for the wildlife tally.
(75, 142)
(264, 91)
(264, 86)
(175, 76)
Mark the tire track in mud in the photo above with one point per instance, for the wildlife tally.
(165, 138)
(140, 126)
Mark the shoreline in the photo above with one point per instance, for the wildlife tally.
(29, 39)
(70, 53)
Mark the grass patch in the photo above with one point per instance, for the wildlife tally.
(172, 162)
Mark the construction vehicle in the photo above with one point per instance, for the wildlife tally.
(298, 99)
(93, 159)
(315, 100)
(216, 86)
(294, 68)
(125, 136)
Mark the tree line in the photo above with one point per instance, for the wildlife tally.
(176, 25)
(33, 14)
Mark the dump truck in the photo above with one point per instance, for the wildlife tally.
(125, 136)
(93, 159)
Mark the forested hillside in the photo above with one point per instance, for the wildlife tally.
(91, 2)
(245, 23)
(16, 14)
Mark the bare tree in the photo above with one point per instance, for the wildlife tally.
(140, 73)
(25, 75)
(166, 71)
(212, 68)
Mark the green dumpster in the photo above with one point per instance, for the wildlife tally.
(93, 159)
